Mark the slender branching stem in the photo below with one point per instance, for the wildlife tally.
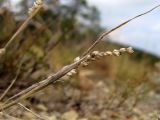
(12, 83)
(115, 28)
(22, 27)
(53, 78)
(27, 109)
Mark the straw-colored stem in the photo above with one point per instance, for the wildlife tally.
(35, 114)
(51, 79)
(115, 28)
(12, 83)
(22, 27)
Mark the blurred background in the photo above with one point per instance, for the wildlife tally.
(123, 88)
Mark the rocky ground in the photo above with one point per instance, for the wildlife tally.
(92, 98)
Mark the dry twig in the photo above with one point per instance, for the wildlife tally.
(32, 12)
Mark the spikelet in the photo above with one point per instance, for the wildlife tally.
(37, 4)
(96, 55)
(72, 72)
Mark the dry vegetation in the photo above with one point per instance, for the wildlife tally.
(97, 85)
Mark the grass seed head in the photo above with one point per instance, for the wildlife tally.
(36, 5)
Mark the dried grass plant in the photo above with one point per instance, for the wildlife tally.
(70, 69)
(31, 13)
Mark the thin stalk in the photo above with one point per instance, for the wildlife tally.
(22, 27)
(35, 114)
(115, 28)
(12, 83)
(51, 79)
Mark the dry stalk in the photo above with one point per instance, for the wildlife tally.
(35, 9)
(115, 28)
(53, 78)
(32, 12)
(35, 114)
(39, 86)
(43, 84)
(12, 83)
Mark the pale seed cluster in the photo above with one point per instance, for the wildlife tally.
(96, 55)
(37, 4)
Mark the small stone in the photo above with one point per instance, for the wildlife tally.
(83, 119)
(28, 115)
(41, 107)
(70, 115)
(53, 117)
(95, 118)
